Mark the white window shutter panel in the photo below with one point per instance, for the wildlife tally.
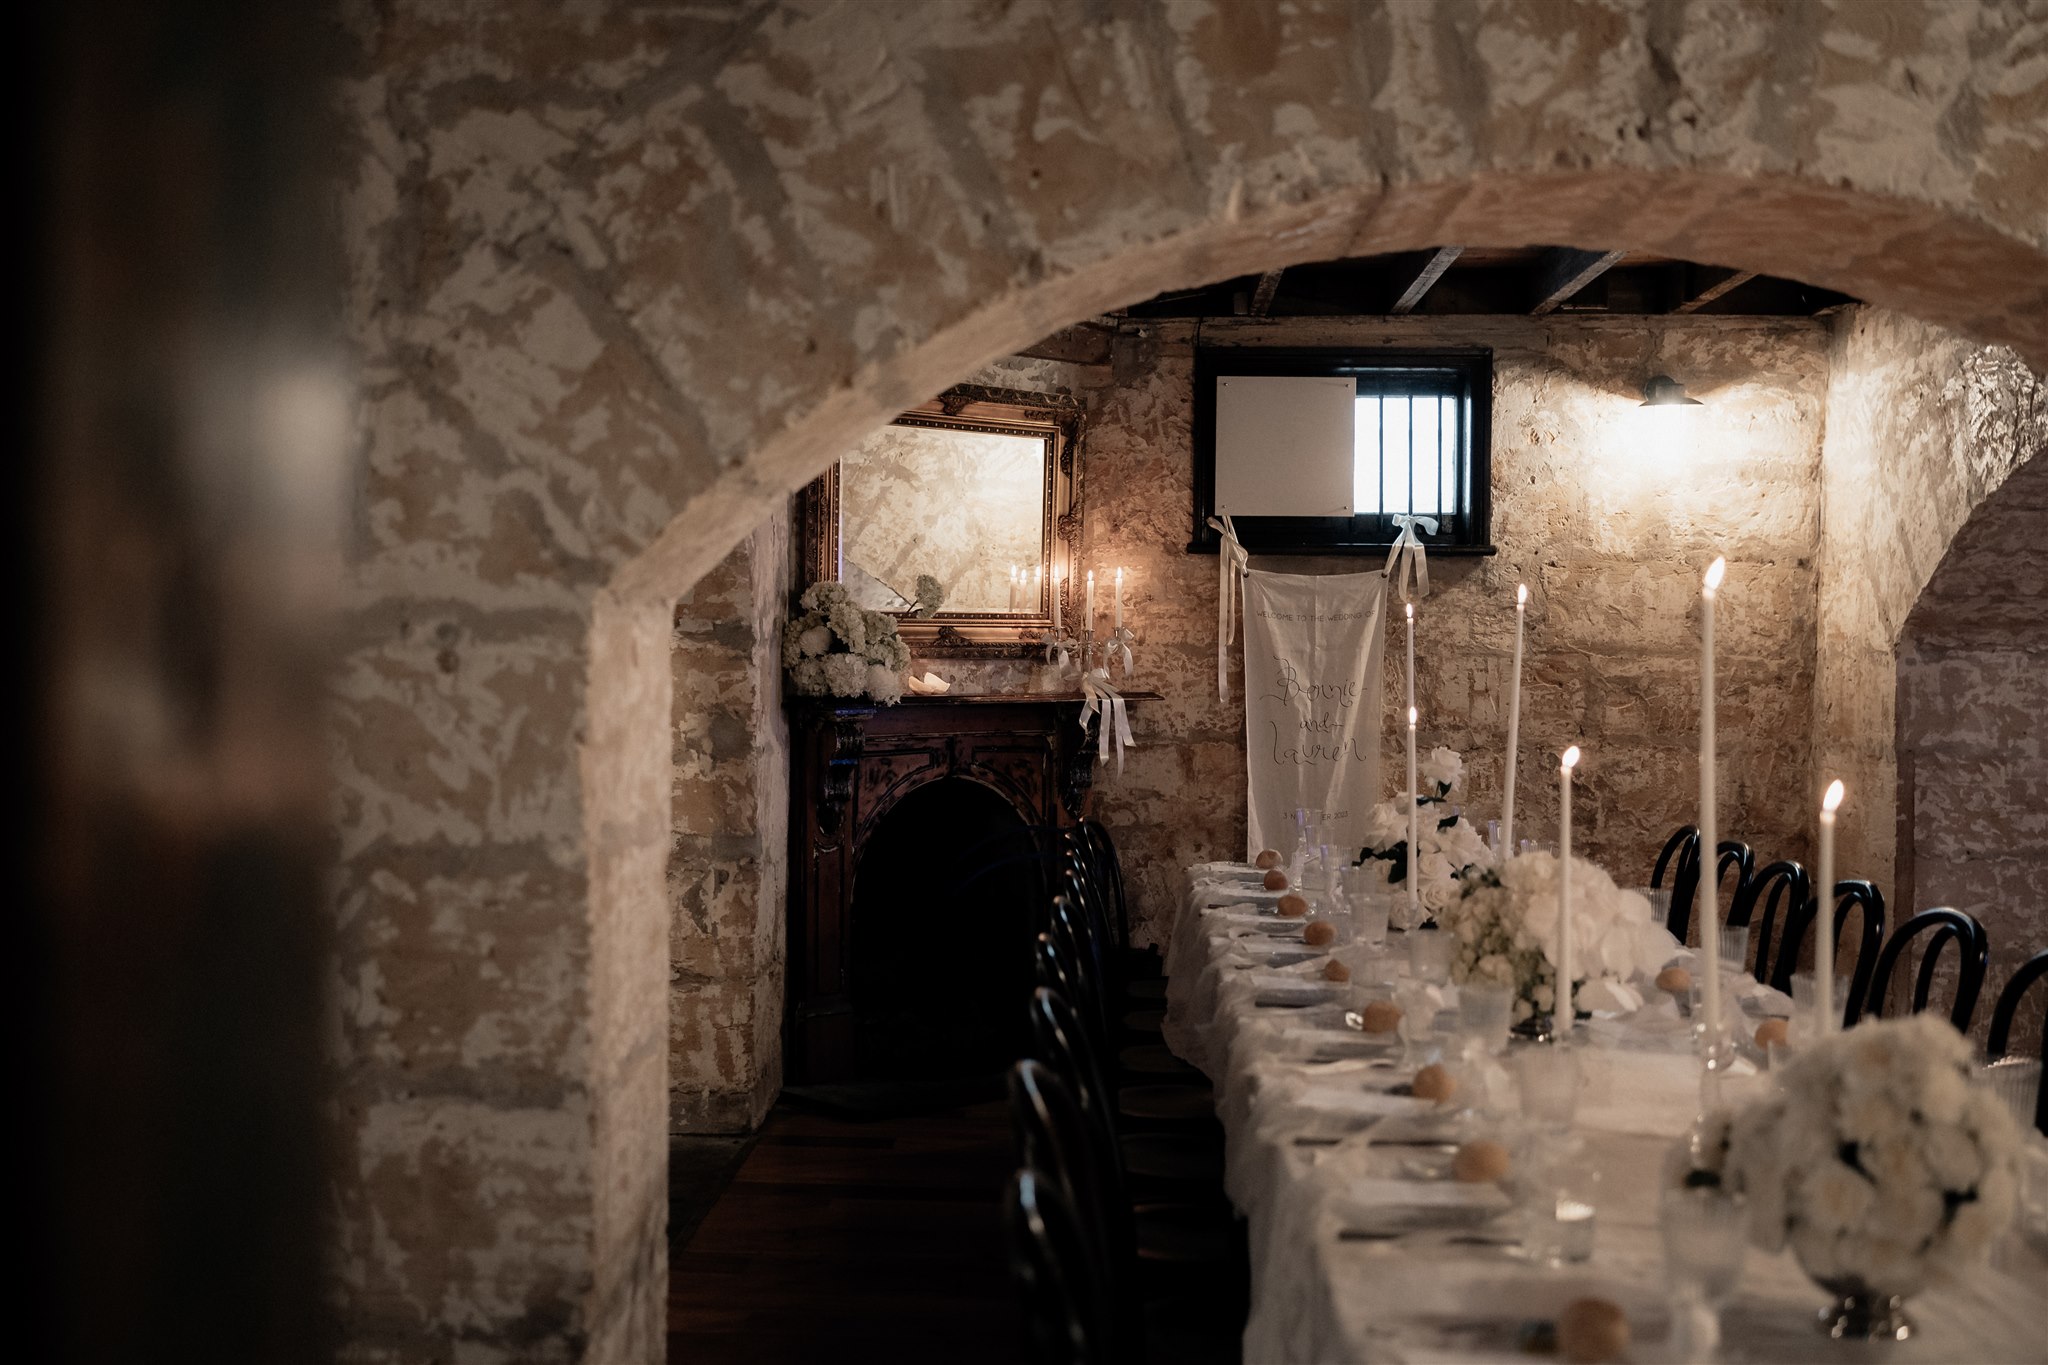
(1284, 445)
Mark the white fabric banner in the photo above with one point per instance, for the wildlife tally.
(1312, 650)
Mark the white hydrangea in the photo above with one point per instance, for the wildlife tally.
(1878, 1160)
(836, 648)
(1505, 919)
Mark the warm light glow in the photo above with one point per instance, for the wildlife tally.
(1571, 758)
(1119, 575)
(1410, 608)
(1521, 595)
(1832, 802)
(1411, 718)
(1716, 571)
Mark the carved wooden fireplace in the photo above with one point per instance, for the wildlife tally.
(881, 794)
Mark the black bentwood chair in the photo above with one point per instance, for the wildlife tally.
(2030, 971)
(1066, 1309)
(1780, 886)
(1860, 896)
(1973, 949)
(1680, 860)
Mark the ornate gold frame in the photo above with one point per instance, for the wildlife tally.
(970, 407)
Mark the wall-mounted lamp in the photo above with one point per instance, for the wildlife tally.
(1662, 391)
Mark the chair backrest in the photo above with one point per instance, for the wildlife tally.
(1684, 845)
(1066, 1317)
(1681, 848)
(1779, 887)
(1943, 925)
(1867, 901)
(1110, 871)
(1059, 1040)
(2030, 971)
(1074, 940)
(1055, 1138)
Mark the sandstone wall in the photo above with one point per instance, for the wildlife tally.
(622, 280)
(1608, 524)
(1921, 426)
(728, 861)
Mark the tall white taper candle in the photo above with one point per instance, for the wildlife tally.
(1055, 601)
(1709, 894)
(1507, 804)
(1119, 597)
(1824, 912)
(1566, 967)
(1414, 825)
(1088, 618)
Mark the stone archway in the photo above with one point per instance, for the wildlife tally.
(1971, 695)
(621, 283)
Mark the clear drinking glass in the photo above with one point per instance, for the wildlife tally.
(1559, 1188)
(1493, 836)
(1734, 952)
(1418, 1018)
(1429, 956)
(2017, 1083)
(1706, 1230)
(1660, 903)
(1366, 896)
(1549, 1079)
(1484, 1012)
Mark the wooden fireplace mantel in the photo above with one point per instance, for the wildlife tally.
(852, 762)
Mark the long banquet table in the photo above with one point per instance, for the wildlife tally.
(1302, 1097)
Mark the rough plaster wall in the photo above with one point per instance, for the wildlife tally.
(1921, 426)
(622, 281)
(728, 860)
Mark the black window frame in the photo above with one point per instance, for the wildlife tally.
(1469, 532)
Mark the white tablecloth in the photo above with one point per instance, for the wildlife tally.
(1290, 1078)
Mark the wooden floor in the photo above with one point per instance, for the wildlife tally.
(843, 1241)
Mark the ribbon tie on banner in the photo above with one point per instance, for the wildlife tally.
(1409, 559)
(1099, 697)
(1231, 565)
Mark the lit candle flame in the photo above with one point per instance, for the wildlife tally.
(1119, 575)
(1832, 802)
(1521, 595)
(1409, 607)
(1716, 571)
(1571, 758)
(1411, 718)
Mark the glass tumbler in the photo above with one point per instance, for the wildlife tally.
(1429, 956)
(1549, 1077)
(1706, 1230)
(2017, 1083)
(1485, 1010)
(1366, 895)
(1559, 1187)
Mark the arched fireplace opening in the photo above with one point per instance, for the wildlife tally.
(941, 934)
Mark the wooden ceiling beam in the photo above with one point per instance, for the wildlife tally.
(1563, 271)
(1263, 292)
(1084, 343)
(1427, 274)
(1704, 284)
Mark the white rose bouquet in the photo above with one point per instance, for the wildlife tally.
(1878, 1161)
(1450, 846)
(1507, 931)
(838, 649)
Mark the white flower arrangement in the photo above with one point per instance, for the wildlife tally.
(1507, 930)
(838, 649)
(1450, 846)
(1878, 1161)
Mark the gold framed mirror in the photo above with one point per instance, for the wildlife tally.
(975, 493)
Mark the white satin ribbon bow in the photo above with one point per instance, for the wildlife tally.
(1232, 563)
(1119, 646)
(1408, 560)
(1099, 697)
